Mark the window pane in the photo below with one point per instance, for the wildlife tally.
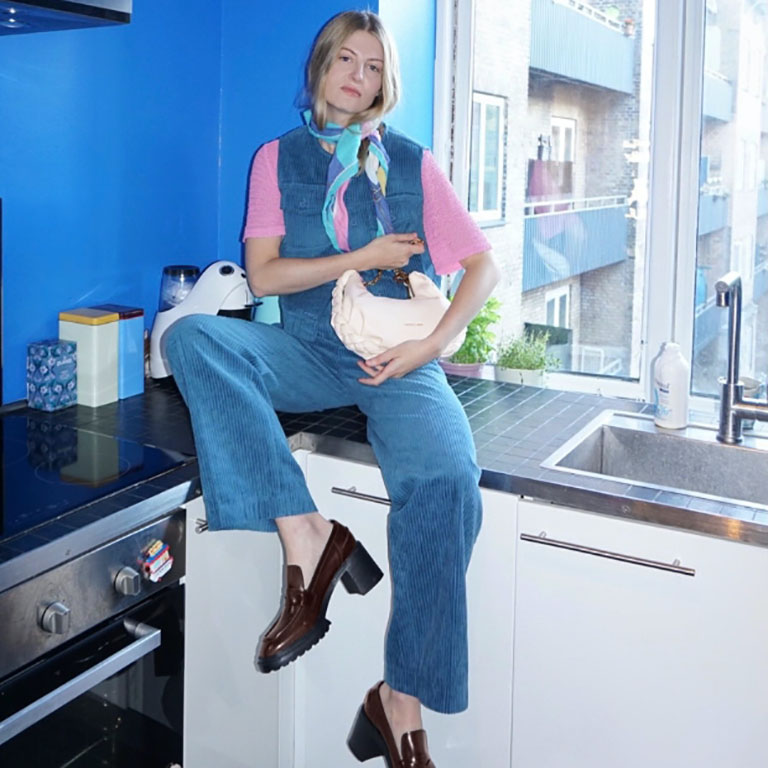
(577, 80)
(733, 193)
(491, 169)
(568, 145)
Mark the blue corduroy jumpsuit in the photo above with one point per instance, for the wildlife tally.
(234, 374)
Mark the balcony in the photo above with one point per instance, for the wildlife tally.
(713, 213)
(572, 40)
(718, 97)
(570, 237)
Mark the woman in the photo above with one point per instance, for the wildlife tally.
(344, 192)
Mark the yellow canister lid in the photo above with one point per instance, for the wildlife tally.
(89, 316)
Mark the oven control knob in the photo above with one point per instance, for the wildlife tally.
(55, 619)
(128, 581)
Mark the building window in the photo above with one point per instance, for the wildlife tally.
(486, 164)
(563, 139)
(558, 307)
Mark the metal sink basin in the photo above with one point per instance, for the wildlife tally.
(628, 447)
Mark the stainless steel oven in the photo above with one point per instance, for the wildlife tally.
(92, 657)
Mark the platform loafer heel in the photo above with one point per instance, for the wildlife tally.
(302, 622)
(365, 742)
(372, 737)
(361, 574)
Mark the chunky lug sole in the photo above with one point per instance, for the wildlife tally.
(365, 741)
(359, 574)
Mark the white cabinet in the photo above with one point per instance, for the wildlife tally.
(233, 587)
(331, 680)
(621, 663)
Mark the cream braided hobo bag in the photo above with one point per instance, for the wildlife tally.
(369, 325)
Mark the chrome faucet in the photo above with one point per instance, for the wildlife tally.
(734, 407)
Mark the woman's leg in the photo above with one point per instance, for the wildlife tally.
(233, 375)
(422, 440)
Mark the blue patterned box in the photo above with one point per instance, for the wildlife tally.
(51, 374)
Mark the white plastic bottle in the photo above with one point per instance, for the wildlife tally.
(671, 384)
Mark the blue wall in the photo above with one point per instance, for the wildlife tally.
(412, 24)
(262, 72)
(108, 165)
(123, 149)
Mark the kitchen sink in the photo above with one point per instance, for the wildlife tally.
(629, 447)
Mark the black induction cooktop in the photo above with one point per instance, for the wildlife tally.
(48, 470)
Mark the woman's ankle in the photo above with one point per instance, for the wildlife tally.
(304, 538)
(403, 712)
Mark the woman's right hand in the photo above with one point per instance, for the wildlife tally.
(390, 251)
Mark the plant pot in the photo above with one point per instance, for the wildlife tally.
(473, 370)
(529, 378)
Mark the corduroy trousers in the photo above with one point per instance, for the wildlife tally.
(234, 374)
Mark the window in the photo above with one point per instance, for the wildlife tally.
(639, 252)
(733, 226)
(486, 157)
(575, 200)
(558, 307)
(563, 139)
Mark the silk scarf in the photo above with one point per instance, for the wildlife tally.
(343, 166)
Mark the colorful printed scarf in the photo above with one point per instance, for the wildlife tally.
(343, 166)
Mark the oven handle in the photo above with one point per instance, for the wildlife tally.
(147, 639)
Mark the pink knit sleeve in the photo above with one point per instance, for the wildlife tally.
(452, 235)
(264, 217)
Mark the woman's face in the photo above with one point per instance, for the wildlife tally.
(354, 79)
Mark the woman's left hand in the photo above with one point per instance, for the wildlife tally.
(398, 361)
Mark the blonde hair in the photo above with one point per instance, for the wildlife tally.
(324, 51)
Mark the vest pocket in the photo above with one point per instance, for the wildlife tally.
(405, 208)
(302, 206)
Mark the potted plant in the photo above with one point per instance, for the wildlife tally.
(478, 344)
(525, 360)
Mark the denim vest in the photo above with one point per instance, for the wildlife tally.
(302, 169)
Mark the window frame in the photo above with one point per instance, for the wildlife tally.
(485, 100)
(555, 295)
(678, 67)
(564, 123)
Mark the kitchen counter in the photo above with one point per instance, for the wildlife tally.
(514, 427)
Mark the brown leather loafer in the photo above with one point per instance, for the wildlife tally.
(371, 737)
(302, 621)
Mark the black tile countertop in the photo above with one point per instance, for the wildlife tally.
(514, 427)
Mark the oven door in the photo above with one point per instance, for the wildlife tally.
(112, 697)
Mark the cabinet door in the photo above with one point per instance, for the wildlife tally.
(622, 663)
(233, 587)
(331, 680)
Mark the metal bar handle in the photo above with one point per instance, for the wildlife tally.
(147, 639)
(353, 493)
(673, 567)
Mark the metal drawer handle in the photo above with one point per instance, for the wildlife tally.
(673, 567)
(353, 493)
(147, 639)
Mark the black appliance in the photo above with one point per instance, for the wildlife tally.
(92, 650)
(49, 15)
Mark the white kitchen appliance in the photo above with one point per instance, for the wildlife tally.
(221, 289)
